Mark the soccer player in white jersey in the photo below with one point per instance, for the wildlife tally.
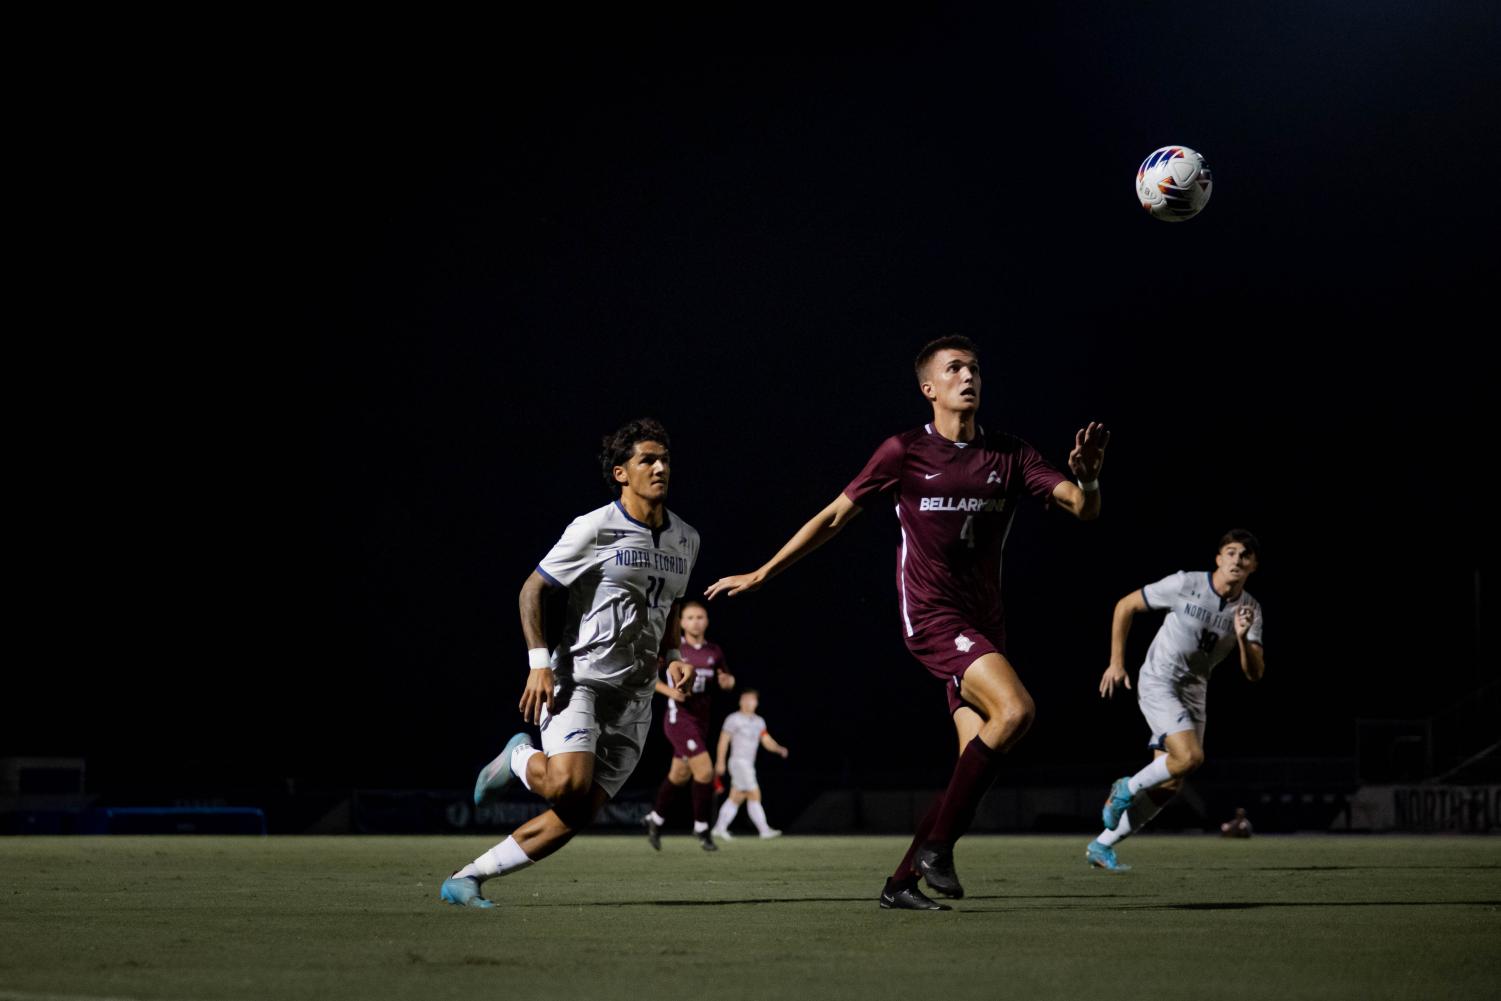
(739, 736)
(625, 567)
(1209, 614)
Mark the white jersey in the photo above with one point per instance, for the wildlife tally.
(1199, 630)
(745, 731)
(622, 579)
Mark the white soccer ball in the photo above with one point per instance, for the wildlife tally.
(1174, 183)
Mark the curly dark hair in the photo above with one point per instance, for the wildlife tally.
(956, 342)
(1245, 538)
(616, 448)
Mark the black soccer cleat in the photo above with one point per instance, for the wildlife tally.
(936, 863)
(907, 897)
(653, 833)
(706, 842)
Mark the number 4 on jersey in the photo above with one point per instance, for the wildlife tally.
(967, 533)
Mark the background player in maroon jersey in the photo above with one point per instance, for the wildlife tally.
(956, 488)
(686, 724)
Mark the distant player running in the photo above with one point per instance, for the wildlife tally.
(1208, 615)
(740, 735)
(625, 566)
(687, 727)
(955, 487)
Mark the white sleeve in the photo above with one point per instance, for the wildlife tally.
(1163, 593)
(571, 555)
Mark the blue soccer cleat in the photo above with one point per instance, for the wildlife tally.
(1116, 803)
(497, 774)
(463, 891)
(1103, 857)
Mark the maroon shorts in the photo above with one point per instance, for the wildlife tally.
(686, 735)
(947, 645)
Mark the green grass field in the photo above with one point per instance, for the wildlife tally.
(331, 918)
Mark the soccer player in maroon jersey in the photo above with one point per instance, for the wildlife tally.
(956, 487)
(686, 724)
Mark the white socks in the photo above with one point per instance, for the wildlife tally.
(1153, 775)
(1108, 838)
(700, 826)
(519, 758)
(757, 815)
(656, 818)
(726, 815)
(504, 858)
(1141, 810)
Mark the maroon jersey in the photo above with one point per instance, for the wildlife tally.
(707, 661)
(955, 503)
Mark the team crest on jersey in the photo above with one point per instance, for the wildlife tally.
(994, 477)
(964, 643)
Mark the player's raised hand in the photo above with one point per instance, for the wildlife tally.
(731, 586)
(537, 694)
(1088, 454)
(1114, 675)
(1244, 616)
(680, 676)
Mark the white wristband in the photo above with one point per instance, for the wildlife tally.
(1091, 487)
(538, 657)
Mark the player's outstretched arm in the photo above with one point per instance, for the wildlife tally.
(1085, 461)
(1120, 626)
(1252, 661)
(822, 527)
(539, 680)
(772, 746)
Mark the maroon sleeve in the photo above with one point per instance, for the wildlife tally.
(881, 474)
(1040, 475)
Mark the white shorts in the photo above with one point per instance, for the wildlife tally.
(1171, 708)
(611, 724)
(742, 775)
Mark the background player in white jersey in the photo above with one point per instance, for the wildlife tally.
(625, 567)
(1208, 615)
(739, 736)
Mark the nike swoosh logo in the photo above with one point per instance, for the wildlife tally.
(931, 476)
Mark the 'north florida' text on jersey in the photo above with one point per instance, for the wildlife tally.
(954, 502)
(1199, 630)
(622, 578)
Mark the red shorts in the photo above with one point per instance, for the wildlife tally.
(686, 735)
(947, 645)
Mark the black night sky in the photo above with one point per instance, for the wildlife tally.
(417, 272)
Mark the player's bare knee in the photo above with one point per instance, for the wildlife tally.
(1187, 761)
(1016, 715)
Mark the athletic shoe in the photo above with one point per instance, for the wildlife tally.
(1103, 857)
(1116, 803)
(936, 863)
(896, 897)
(726, 835)
(463, 892)
(653, 833)
(497, 774)
(706, 841)
(773, 833)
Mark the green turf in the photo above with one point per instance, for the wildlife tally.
(331, 918)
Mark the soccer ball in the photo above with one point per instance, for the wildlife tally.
(1174, 183)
